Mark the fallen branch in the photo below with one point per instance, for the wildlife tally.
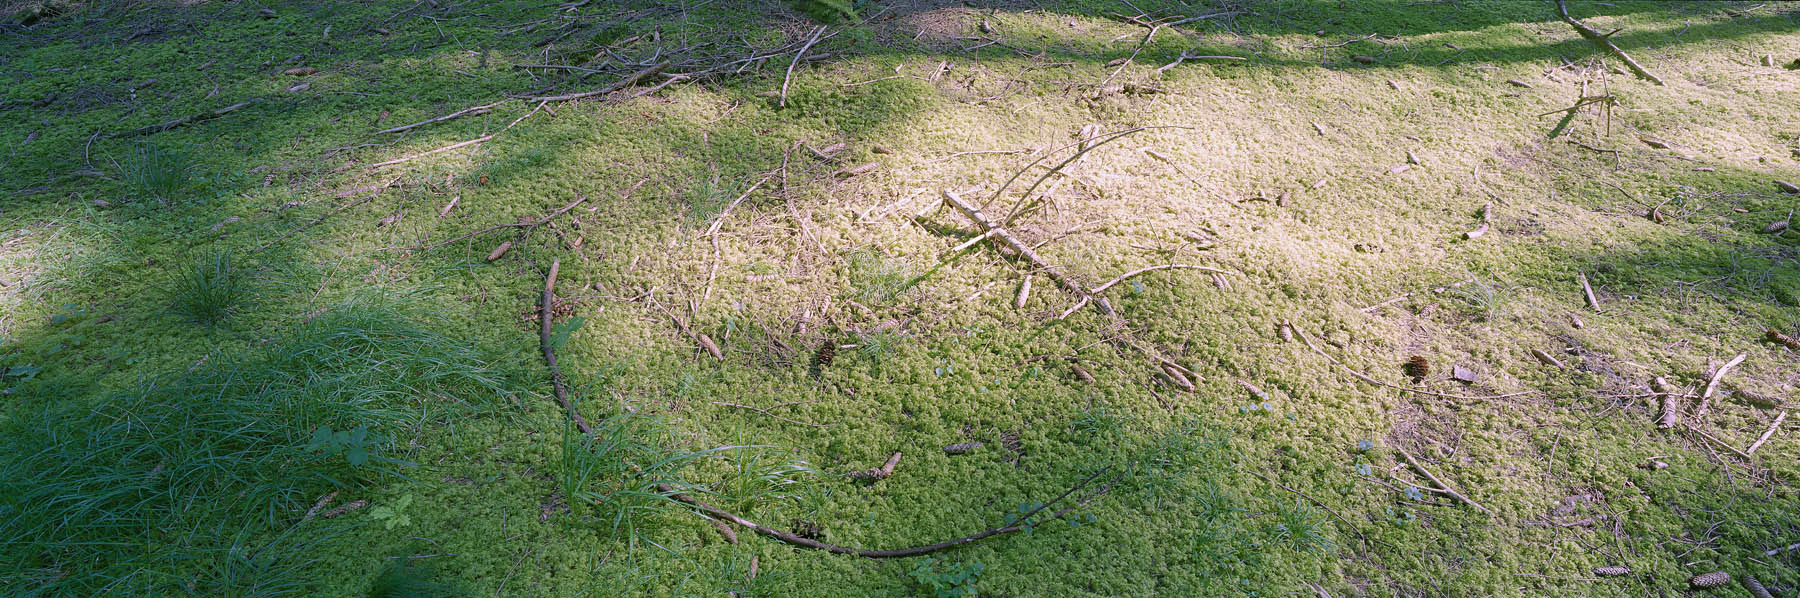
(1712, 385)
(1766, 434)
(526, 225)
(1122, 277)
(1365, 378)
(1671, 403)
(989, 227)
(1790, 342)
(435, 151)
(766, 412)
(627, 81)
(1587, 290)
(1441, 485)
(183, 121)
(327, 215)
(556, 380)
(782, 103)
(1603, 41)
(1020, 524)
(472, 110)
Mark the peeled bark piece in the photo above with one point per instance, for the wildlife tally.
(1671, 403)
(1546, 358)
(1463, 375)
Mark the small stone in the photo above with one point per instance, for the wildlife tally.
(1463, 375)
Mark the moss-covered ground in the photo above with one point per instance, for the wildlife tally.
(205, 329)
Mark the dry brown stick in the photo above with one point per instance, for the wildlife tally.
(1603, 41)
(1588, 291)
(879, 473)
(1766, 434)
(988, 226)
(526, 225)
(472, 110)
(1712, 385)
(1315, 501)
(327, 215)
(1122, 277)
(186, 120)
(1434, 479)
(556, 380)
(792, 539)
(627, 81)
(727, 211)
(782, 103)
(435, 151)
(1715, 439)
(1365, 378)
(766, 412)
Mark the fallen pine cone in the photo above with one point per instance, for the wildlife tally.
(1756, 588)
(826, 353)
(1791, 342)
(1417, 368)
(1612, 571)
(1707, 581)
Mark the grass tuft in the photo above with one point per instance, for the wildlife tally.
(210, 289)
(156, 172)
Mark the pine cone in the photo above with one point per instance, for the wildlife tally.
(1418, 368)
(1612, 571)
(1707, 581)
(1756, 588)
(821, 359)
(958, 449)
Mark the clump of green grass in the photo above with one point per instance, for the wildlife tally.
(179, 482)
(877, 277)
(760, 476)
(210, 289)
(407, 580)
(621, 470)
(156, 172)
(706, 200)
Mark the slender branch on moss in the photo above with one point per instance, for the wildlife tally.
(1604, 42)
(1022, 523)
(1441, 485)
(556, 380)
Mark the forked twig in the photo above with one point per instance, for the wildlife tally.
(1434, 479)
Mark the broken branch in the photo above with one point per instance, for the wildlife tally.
(556, 381)
(1603, 41)
(1434, 479)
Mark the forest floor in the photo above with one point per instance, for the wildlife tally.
(260, 334)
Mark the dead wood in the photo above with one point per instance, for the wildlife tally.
(1604, 42)
(876, 474)
(782, 103)
(989, 227)
(1766, 434)
(1123, 277)
(528, 226)
(556, 380)
(1712, 385)
(472, 110)
(1434, 479)
(623, 83)
(1020, 525)
(1365, 378)
(183, 121)
(1671, 403)
(1546, 358)
(1777, 337)
(1587, 290)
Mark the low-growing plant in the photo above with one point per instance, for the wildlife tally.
(622, 470)
(214, 461)
(876, 277)
(404, 579)
(156, 172)
(1301, 529)
(210, 289)
(759, 475)
(947, 580)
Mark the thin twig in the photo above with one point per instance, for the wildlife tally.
(1122, 277)
(528, 225)
(1022, 523)
(1365, 378)
(1434, 479)
(628, 81)
(790, 69)
(327, 215)
(472, 110)
(766, 412)
(1712, 385)
(1766, 434)
(556, 380)
(1603, 41)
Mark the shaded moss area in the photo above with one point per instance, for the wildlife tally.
(1334, 171)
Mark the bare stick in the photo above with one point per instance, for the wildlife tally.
(628, 81)
(1603, 41)
(879, 473)
(1365, 378)
(1671, 403)
(1712, 385)
(327, 215)
(766, 412)
(472, 110)
(1765, 435)
(727, 211)
(1315, 501)
(528, 225)
(1434, 479)
(1122, 277)
(988, 226)
(782, 103)
(1715, 439)
(792, 539)
(186, 120)
(556, 380)
(435, 151)
(1588, 291)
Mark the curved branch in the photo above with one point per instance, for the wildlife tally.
(794, 540)
(1603, 41)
